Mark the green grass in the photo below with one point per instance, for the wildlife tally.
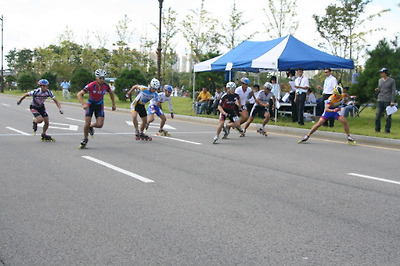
(363, 125)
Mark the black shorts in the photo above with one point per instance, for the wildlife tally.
(233, 117)
(140, 109)
(41, 110)
(258, 110)
(97, 109)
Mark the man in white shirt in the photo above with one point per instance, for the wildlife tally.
(301, 85)
(329, 84)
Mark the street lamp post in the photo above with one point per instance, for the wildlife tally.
(2, 81)
(159, 43)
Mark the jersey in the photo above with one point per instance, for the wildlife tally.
(228, 101)
(96, 93)
(145, 95)
(243, 94)
(334, 102)
(38, 97)
(161, 99)
(263, 97)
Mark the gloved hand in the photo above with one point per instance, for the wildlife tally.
(172, 115)
(336, 110)
(61, 111)
(127, 96)
(19, 102)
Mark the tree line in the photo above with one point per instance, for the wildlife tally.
(340, 29)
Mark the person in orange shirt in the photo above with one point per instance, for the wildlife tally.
(202, 100)
(332, 109)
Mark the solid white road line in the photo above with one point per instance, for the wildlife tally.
(115, 168)
(375, 178)
(181, 140)
(73, 119)
(18, 131)
(5, 104)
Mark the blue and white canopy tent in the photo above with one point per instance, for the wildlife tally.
(279, 54)
(275, 55)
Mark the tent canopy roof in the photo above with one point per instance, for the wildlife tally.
(279, 54)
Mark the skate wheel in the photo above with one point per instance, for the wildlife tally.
(150, 139)
(157, 134)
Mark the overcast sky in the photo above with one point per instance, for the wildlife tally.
(34, 23)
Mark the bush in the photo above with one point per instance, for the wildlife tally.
(52, 80)
(126, 80)
(80, 79)
(26, 82)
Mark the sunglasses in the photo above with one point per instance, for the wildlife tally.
(101, 77)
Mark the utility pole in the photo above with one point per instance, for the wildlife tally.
(159, 44)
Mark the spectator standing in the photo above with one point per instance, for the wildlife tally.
(301, 85)
(65, 85)
(329, 84)
(386, 97)
(292, 95)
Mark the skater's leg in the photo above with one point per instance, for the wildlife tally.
(46, 124)
(135, 120)
(248, 122)
(316, 126)
(245, 116)
(88, 119)
(163, 120)
(143, 124)
(219, 127)
(266, 119)
(99, 122)
(343, 120)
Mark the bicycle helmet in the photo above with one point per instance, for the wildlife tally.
(44, 82)
(268, 85)
(155, 84)
(100, 73)
(231, 85)
(168, 88)
(338, 90)
(245, 80)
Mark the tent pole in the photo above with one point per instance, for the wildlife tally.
(276, 110)
(194, 85)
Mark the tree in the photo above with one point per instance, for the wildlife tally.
(126, 80)
(339, 27)
(52, 79)
(80, 79)
(280, 15)
(26, 82)
(200, 32)
(232, 28)
(384, 55)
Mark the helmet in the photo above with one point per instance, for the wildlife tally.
(155, 84)
(43, 82)
(245, 81)
(338, 90)
(168, 88)
(100, 73)
(231, 85)
(268, 85)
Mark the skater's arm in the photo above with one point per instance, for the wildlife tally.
(58, 104)
(129, 93)
(112, 100)
(22, 98)
(80, 98)
(221, 110)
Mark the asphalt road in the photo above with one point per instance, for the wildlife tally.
(181, 200)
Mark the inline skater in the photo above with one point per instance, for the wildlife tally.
(243, 92)
(38, 108)
(332, 110)
(155, 107)
(261, 107)
(227, 108)
(95, 104)
(138, 105)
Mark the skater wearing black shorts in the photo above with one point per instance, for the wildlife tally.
(37, 106)
(227, 109)
(95, 104)
(261, 107)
